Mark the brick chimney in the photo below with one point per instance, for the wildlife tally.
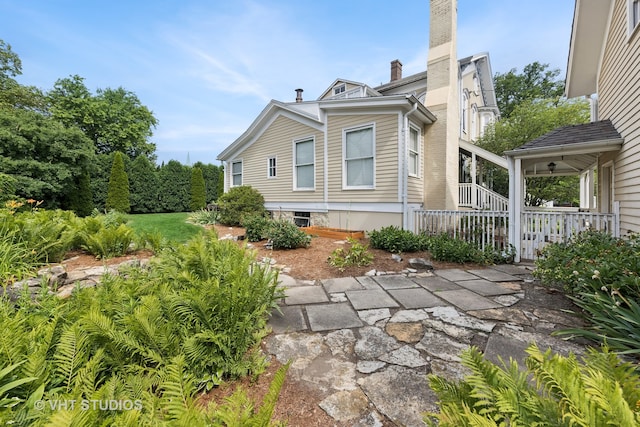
(396, 70)
(299, 95)
(442, 99)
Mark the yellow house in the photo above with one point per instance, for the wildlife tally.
(360, 157)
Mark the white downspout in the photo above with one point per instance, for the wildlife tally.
(405, 166)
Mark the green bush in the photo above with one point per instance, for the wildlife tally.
(157, 336)
(239, 202)
(445, 248)
(118, 190)
(256, 227)
(601, 275)
(204, 217)
(286, 235)
(50, 234)
(109, 242)
(198, 192)
(356, 255)
(596, 391)
(396, 240)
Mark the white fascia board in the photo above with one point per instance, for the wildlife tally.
(403, 102)
(269, 114)
(580, 148)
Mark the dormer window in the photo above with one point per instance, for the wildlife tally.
(338, 89)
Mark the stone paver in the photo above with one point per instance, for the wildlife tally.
(305, 295)
(364, 300)
(329, 317)
(435, 283)
(456, 274)
(493, 275)
(415, 298)
(467, 300)
(485, 287)
(395, 282)
(365, 344)
(341, 284)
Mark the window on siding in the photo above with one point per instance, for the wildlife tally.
(271, 167)
(338, 89)
(359, 153)
(463, 119)
(304, 164)
(634, 15)
(414, 151)
(236, 173)
(474, 122)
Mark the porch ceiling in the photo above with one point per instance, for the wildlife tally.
(571, 149)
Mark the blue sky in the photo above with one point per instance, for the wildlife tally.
(206, 68)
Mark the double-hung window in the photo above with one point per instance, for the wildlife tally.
(359, 153)
(271, 167)
(236, 173)
(414, 151)
(304, 157)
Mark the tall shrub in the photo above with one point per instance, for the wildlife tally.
(81, 200)
(143, 185)
(198, 192)
(174, 186)
(240, 202)
(118, 192)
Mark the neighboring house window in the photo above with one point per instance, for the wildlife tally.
(465, 100)
(634, 15)
(474, 122)
(304, 164)
(359, 152)
(337, 90)
(236, 173)
(414, 151)
(271, 167)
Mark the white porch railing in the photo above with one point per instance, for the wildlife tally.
(539, 228)
(477, 197)
(491, 228)
(485, 228)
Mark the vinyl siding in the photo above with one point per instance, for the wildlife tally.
(386, 158)
(277, 141)
(618, 92)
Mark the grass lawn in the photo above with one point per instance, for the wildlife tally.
(173, 226)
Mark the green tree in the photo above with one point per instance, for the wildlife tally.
(43, 156)
(143, 185)
(81, 200)
(100, 174)
(174, 185)
(198, 192)
(118, 193)
(13, 94)
(7, 187)
(114, 119)
(528, 121)
(537, 81)
(213, 179)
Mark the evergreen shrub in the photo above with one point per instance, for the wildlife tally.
(239, 202)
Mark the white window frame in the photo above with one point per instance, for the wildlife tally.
(464, 112)
(633, 15)
(474, 123)
(414, 156)
(272, 169)
(234, 174)
(345, 184)
(340, 88)
(296, 187)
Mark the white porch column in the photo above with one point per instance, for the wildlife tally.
(514, 167)
(474, 172)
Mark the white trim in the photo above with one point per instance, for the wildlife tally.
(611, 190)
(633, 17)
(275, 167)
(231, 182)
(345, 185)
(418, 153)
(377, 207)
(296, 141)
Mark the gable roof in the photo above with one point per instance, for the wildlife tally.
(369, 91)
(570, 136)
(590, 20)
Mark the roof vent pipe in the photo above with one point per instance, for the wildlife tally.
(299, 95)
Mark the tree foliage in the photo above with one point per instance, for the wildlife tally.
(198, 192)
(143, 186)
(114, 119)
(118, 192)
(174, 185)
(45, 158)
(13, 94)
(537, 81)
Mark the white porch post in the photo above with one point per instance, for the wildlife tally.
(474, 171)
(514, 167)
